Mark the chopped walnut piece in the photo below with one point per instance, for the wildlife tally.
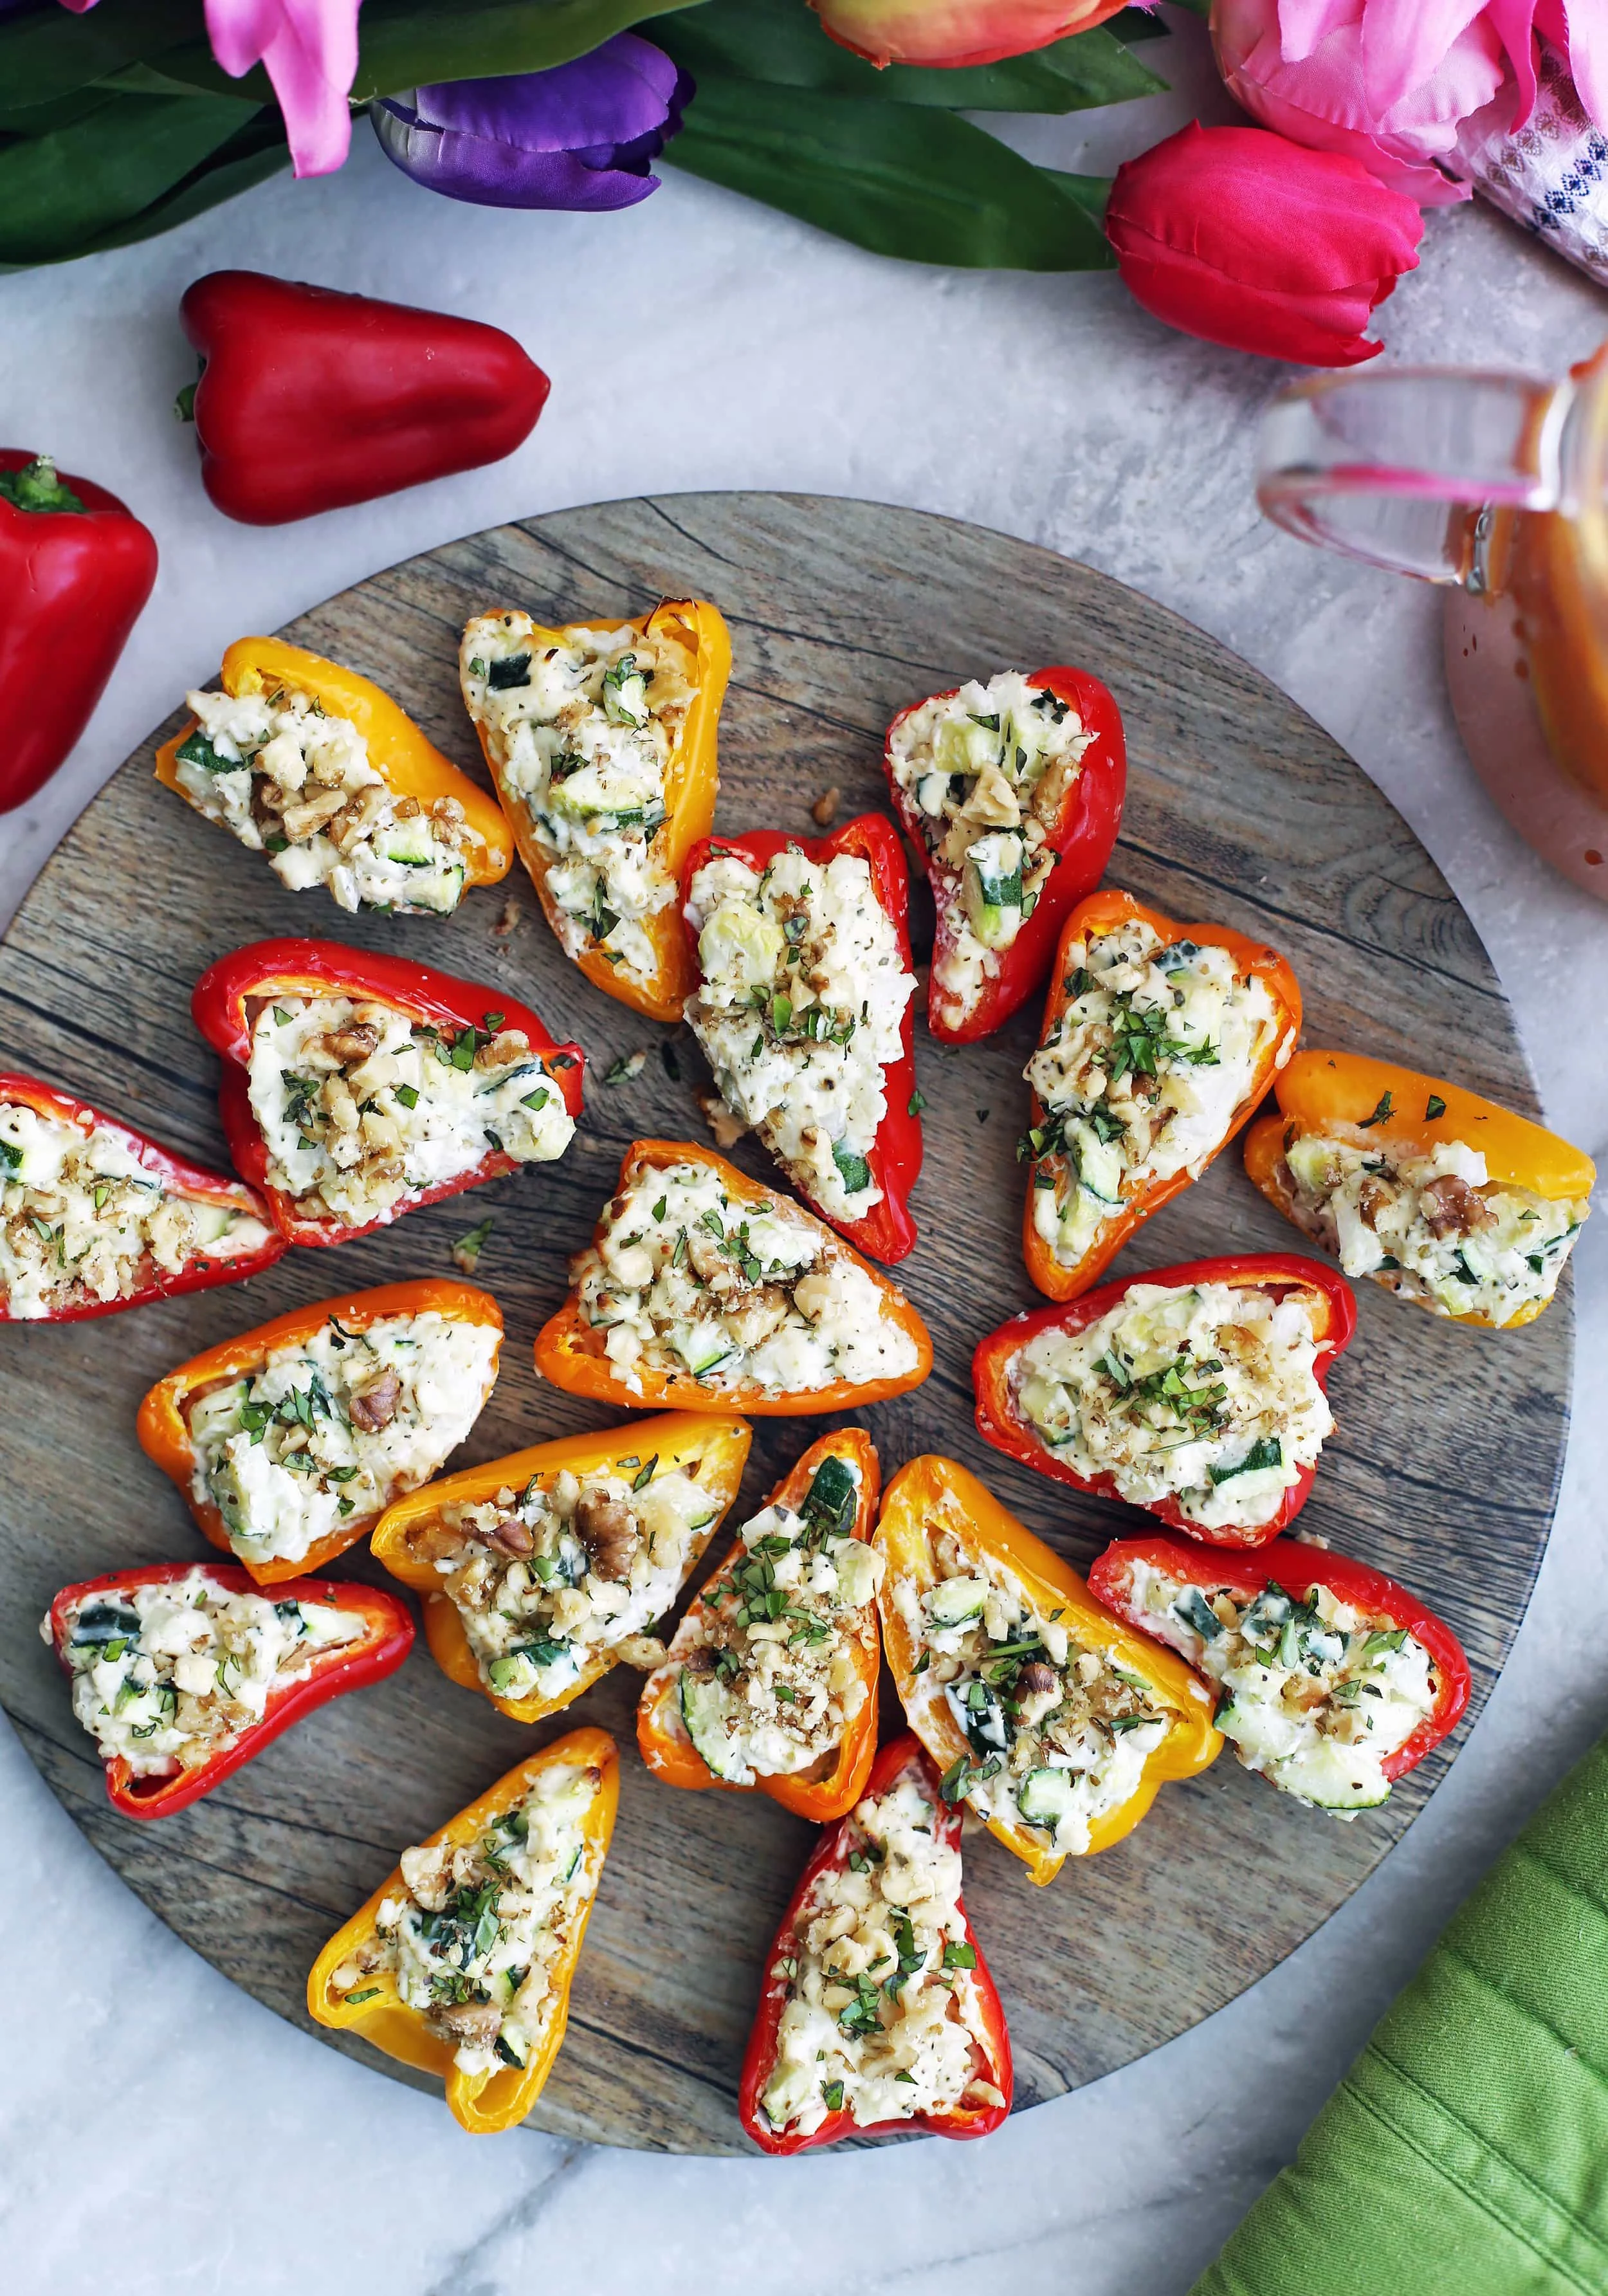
(376, 1407)
(727, 1129)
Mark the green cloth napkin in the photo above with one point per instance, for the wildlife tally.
(1465, 2153)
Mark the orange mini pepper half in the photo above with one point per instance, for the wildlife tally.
(164, 1421)
(410, 1534)
(746, 1583)
(690, 778)
(933, 1496)
(483, 2103)
(1048, 1167)
(571, 1352)
(1395, 1113)
(408, 764)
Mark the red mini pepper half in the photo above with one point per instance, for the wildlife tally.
(887, 1231)
(76, 569)
(386, 1639)
(176, 1174)
(310, 400)
(1082, 839)
(904, 1757)
(231, 994)
(1332, 1307)
(1296, 1567)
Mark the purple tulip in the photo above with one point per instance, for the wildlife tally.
(579, 136)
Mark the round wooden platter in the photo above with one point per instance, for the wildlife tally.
(1241, 810)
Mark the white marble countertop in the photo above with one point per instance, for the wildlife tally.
(157, 2129)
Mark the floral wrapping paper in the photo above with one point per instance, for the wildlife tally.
(1552, 175)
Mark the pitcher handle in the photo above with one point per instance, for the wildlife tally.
(1403, 469)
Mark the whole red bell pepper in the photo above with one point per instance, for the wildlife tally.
(1080, 838)
(1331, 1307)
(76, 569)
(386, 1639)
(310, 400)
(230, 995)
(176, 1174)
(904, 1759)
(1297, 1568)
(887, 1230)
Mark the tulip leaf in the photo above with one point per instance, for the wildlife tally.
(782, 42)
(43, 56)
(246, 160)
(898, 179)
(60, 193)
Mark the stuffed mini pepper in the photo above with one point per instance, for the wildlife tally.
(355, 1089)
(182, 1671)
(1011, 794)
(95, 1217)
(1195, 1393)
(771, 1680)
(541, 1571)
(1159, 1040)
(601, 738)
(805, 1013)
(1330, 1679)
(290, 1441)
(460, 1963)
(315, 767)
(702, 1288)
(1444, 1198)
(1053, 1722)
(878, 2012)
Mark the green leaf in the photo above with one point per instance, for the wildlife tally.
(920, 183)
(44, 56)
(60, 193)
(246, 160)
(781, 42)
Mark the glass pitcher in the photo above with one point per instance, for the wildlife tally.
(1497, 485)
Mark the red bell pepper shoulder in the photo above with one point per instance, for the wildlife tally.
(995, 939)
(164, 1424)
(1292, 1572)
(684, 1715)
(892, 1162)
(310, 399)
(242, 1240)
(98, 1615)
(1078, 1214)
(999, 1378)
(76, 569)
(813, 2102)
(462, 1018)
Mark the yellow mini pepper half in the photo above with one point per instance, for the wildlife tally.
(691, 779)
(932, 1496)
(711, 1449)
(483, 2103)
(1397, 1113)
(409, 765)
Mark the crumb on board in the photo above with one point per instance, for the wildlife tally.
(507, 921)
(727, 1129)
(823, 812)
(627, 1068)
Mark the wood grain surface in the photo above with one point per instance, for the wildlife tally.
(1242, 811)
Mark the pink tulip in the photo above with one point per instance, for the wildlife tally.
(310, 50)
(1391, 82)
(1247, 240)
(948, 33)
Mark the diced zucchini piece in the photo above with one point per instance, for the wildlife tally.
(991, 890)
(1257, 1483)
(738, 939)
(953, 1601)
(855, 1567)
(1046, 1797)
(700, 1346)
(439, 890)
(963, 746)
(1099, 1165)
(1333, 1777)
(703, 1711)
(212, 1220)
(410, 843)
(1309, 1160)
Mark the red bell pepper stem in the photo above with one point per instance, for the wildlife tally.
(1298, 1568)
(232, 992)
(76, 569)
(349, 1667)
(310, 399)
(1082, 840)
(903, 1757)
(887, 1231)
(176, 1174)
(1000, 1422)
